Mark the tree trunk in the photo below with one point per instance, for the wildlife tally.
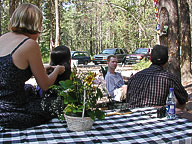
(101, 29)
(57, 36)
(91, 39)
(51, 26)
(38, 3)
(13, 4)
(185, 42)
(164, 21)
(173, 34)
(11, 7)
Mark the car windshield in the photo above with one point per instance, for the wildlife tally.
(141, 51)
(108, 51)
(72, 52)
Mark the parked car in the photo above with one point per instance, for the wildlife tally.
(82, 57)
(138, 55)
(102, 57)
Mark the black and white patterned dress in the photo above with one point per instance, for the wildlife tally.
(20, 105)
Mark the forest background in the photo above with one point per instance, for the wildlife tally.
(93, 25)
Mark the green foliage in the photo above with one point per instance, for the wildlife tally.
(92, 26)
(142, 64)
(4, 17)
(95, 25)
(45, 59)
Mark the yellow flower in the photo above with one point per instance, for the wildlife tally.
(89, 79)
(94, 88)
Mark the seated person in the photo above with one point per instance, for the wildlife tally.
(150, 87)
(20, 106)
(114, 81)
(60, 55)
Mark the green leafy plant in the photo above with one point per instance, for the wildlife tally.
(80, 95)
(142, 64)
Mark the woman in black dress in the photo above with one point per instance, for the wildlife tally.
(20, 58)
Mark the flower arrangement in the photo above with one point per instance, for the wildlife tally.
(80, 95)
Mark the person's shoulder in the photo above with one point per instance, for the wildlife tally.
(167, 75)
(31, 45)
(31, 42)
(30, 48)
(171, 76)
(107, 74)
(117, 73)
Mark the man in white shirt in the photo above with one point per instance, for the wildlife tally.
(114, 81)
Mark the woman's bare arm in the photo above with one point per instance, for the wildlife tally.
(33, 56)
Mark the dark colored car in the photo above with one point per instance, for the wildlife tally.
(138, 55)
(82, 57)
(102, 57)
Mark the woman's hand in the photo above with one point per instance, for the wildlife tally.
(49, 69)
(61, 69)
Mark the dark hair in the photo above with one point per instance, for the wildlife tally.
(61, 55)
(111, 56)
(159, 55)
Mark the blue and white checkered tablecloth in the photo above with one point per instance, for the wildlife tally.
(131, 128)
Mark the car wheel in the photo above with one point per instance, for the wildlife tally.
(86, 62)
(96, 63)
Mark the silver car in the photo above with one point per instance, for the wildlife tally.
(102, 57)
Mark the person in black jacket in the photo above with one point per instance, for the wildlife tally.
(61, 55)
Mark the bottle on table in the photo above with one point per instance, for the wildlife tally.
(171, 105)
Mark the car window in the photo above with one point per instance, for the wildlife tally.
(72, 52)
(121, 51)
(125, 51)
(85, 54)
(81, 54)
(117, 51)
(108, 51)
(76, 54)
(141, 51)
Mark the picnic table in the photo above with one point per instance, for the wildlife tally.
(141, 126)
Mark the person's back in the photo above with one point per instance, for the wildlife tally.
(61, 55)
(12, 79)
(150, 87)
(20, 58)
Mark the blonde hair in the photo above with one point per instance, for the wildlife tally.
(27, 18)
